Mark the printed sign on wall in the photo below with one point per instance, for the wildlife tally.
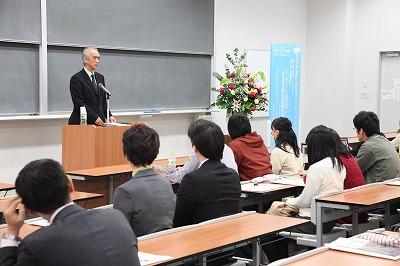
(285, 83)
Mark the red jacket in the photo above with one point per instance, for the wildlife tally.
(354, 176)
(251, 156)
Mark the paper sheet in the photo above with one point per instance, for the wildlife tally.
(147, 258)
(259, 188)
(365, 247)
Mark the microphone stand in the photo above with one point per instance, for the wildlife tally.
(107, 124)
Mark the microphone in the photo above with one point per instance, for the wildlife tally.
(101, 86)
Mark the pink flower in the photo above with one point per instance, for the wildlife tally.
(231, 86)
(222, 90)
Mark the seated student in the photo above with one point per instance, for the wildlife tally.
(175, 176)
(251, 154)
(147, 200)
(75, 236)
(377, 157)
(286, 158)
(325, 175)
(354, 176)
(213, 190)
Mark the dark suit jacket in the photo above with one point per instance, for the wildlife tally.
(209, 192)
(147, 201)
(83, 93)
(77, 237)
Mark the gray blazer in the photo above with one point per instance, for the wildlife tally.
(77, 237)
(147, 201)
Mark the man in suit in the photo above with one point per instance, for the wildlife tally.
(85, 91)
(213, 190)
(74, 237)
(147, 200)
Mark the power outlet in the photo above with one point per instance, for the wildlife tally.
(364, 90)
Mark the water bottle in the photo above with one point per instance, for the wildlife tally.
(83, 115)
(172, 160)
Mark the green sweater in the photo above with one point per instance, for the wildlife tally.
(378, 159)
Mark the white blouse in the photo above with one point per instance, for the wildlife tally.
(322, 178)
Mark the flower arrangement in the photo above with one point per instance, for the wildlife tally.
(240, 92)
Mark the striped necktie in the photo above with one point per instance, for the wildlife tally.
(94, 82)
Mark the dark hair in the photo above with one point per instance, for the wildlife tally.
(42, 186)
(141, 144)
(342, 149)
(321, 144)
(286, 135)
(368, 121)
(238, 126)
(208, 138)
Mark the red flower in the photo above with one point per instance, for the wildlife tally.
(252, 95)
(233, 75)
(222, 90)
(253, 109)
(231, 86)
(259, 90)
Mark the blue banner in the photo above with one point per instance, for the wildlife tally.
(285, 83)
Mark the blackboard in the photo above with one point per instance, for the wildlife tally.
(156, 54)
(137, 80)
(173, 25)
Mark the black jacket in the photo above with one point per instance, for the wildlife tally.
(209, 192)
(83, 93)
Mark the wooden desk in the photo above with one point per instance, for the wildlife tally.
(261, 198)
(329, 257)
(76, 196)
(105, 179)
(6, 187)
(195, 242)
(357, 200)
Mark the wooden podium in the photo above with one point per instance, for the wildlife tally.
(88, 146)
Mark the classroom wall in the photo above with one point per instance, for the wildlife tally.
(255, 24)
(344, 39)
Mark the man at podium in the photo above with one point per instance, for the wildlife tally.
(85, 91)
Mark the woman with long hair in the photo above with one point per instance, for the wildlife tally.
(286, 158)
(325, 175)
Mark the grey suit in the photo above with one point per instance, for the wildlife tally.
(147, 201)
(77, 237)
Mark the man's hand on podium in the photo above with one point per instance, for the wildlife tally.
(113, 119)
(99, 122)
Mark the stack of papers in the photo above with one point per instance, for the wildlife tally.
(147, 258)
(365, 247)
(259, 187)
(289, 181)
